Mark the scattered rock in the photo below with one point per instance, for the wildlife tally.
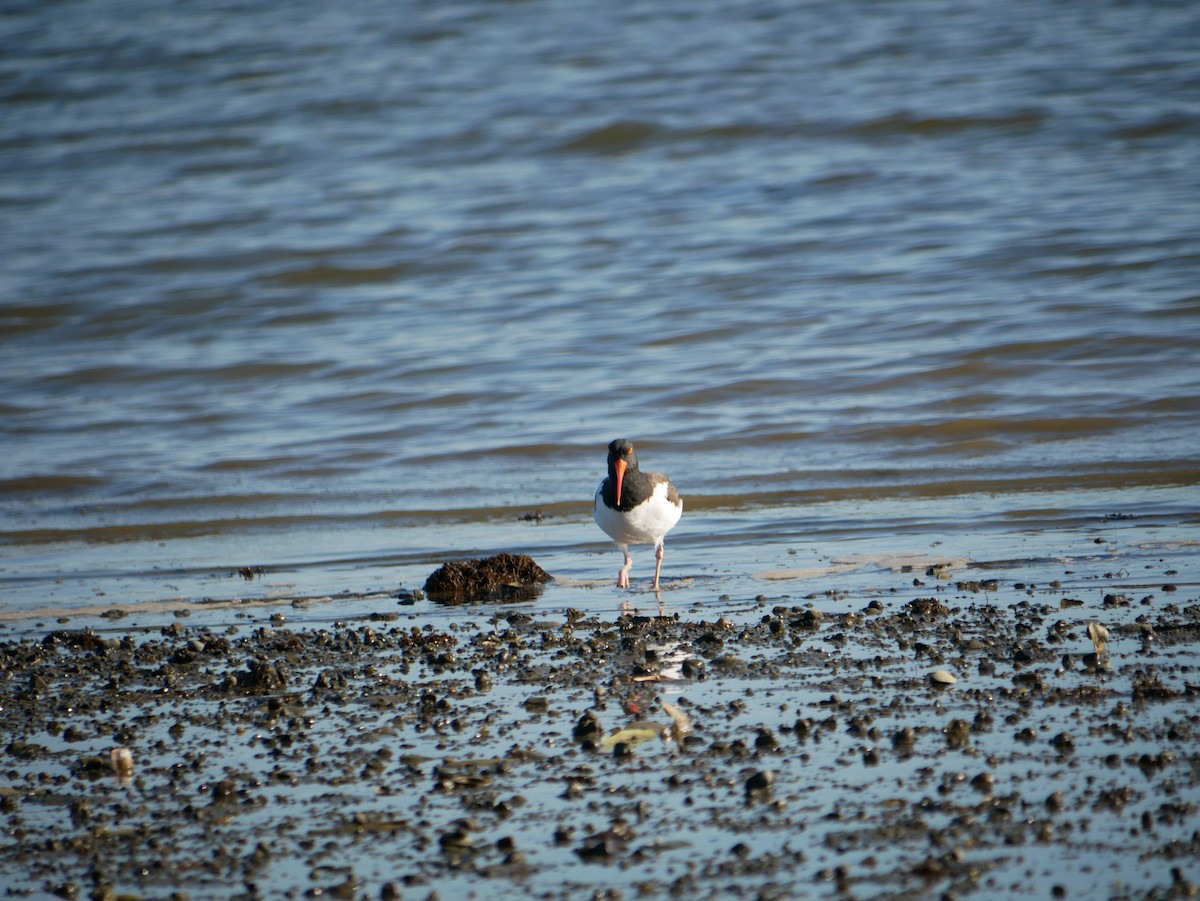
(259, 675)
(759, 783)
(407, 740)
(604, 845)
(927, 608)
(503, 577)
(958, 734)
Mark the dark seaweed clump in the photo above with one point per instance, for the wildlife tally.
(502, 577)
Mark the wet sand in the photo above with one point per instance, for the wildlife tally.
(789, 740)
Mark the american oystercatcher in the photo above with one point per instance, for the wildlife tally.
(635, 507)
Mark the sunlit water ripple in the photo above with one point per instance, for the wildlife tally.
(349, 296)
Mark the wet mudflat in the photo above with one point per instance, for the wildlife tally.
(947, 731)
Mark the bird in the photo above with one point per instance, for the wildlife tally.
(635, 507)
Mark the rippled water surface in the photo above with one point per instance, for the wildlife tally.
(344, 291)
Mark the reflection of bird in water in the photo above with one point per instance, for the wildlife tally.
(635, 507)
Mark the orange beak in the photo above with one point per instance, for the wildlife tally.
(620, 466)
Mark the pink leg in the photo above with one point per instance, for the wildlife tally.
(658, 555)
(623, 575)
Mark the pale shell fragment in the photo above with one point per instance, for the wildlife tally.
(633, 734)
(122, 762)
(681, 723)
(1099, 636)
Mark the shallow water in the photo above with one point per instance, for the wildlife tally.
(346, 294)
(343, 786)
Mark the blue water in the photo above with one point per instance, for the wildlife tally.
(344, 292)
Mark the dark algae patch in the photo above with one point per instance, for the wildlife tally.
(502, 577)
(726, 749)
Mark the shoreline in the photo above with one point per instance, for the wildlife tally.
(697, 745)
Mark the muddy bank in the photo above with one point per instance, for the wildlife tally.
(795, 746)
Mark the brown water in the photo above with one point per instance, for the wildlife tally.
(344, 292)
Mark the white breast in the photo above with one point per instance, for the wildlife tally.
(646, 523)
